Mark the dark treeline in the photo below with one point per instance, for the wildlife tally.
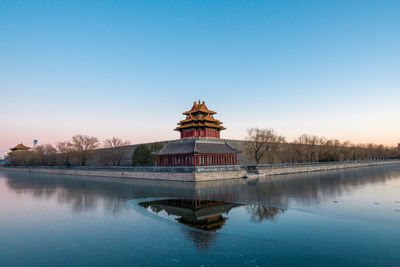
(264, 146)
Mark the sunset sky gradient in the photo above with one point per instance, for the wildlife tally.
(130, 68)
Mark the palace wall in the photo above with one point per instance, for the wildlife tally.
(101, 156)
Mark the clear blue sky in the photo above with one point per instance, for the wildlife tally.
(129, 68)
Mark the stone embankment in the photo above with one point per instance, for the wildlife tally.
(144, 174)
(198, 174)
(301, 168)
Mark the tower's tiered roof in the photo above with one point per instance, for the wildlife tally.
(199, 116)
(199, 107)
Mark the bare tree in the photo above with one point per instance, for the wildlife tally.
(262, 142)
(45, 155)
(273, 145)
(65, 149)
(21, 158)
(308, 147)
(117, 148)
(83, 146)
(299, 144)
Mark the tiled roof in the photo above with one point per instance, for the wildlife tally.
(199, 107)
(20, 147)
(199, 124)
(197, 146)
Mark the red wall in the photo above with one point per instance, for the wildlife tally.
(197, 160)
(200, 133)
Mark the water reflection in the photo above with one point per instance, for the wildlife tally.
(88, 193)
(271, 209)
(260, 213)
(208, 216)
(204, 215)
(201, 240)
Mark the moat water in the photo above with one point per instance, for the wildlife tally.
(341, 218)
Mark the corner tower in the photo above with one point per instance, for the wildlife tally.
(200, 143)
(199, 122)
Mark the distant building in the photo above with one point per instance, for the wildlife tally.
(200, 143)
(3, 162)
(19, 147)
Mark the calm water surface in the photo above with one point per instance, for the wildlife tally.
(346, 218)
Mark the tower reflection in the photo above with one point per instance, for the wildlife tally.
(208, 216)
(204, 215)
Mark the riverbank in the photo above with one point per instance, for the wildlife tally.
(291, 169)
(198, 174)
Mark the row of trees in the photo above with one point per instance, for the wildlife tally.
(79, 148)
(266, 146)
